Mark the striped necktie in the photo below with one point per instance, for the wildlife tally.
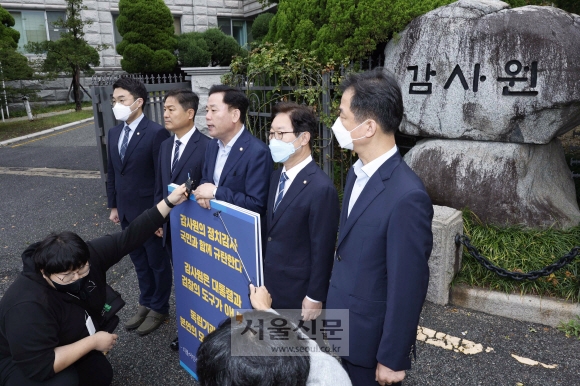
(124, 143)
(175, 155)
(283, 178)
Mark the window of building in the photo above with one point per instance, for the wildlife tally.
(119, 38)
(36, 26)
(239, 29)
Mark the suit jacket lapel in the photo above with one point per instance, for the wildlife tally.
(274, 180)
(187, 152)
(238, 148)
(300, 181)
(115, 135)
(372, 189)
(135, 138)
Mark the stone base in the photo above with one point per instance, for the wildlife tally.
(502, 183)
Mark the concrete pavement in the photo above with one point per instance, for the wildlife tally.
(457, 346)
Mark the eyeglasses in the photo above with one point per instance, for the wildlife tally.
(278, 134)
(80, 273)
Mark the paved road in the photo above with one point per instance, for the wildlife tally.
(51, 183)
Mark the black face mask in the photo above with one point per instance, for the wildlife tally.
(74, 288)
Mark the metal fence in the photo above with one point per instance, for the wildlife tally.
(264, 92)
(102, 91)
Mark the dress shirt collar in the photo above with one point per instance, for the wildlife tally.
(293, 172)
(369, 169)
(184, 138)
(133, 125)
(232, 141)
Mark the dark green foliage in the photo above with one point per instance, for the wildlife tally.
(212, 47)
(70, 54)
(261, 25)
(339, 29)
(193, 50)
(148, 36)
(8, 36)
(221, 46)
(572, 6)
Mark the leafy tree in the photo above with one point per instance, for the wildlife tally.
(212, 47)
(71, 53)
(339, 29)
(148, 35)
(221, 46)
(192, 49)
(261, 25)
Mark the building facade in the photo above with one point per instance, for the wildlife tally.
(34, 20)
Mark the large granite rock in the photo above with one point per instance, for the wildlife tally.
(454, 65)
(503, 183)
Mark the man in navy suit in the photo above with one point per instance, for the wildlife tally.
(237, 165)
(302, 216)
(180, 157)
(133, 152)
(380, 271)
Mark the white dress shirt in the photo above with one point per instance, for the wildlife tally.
(291, 174)
(364, 173)
(222, 157)
(184, 139)
(132, 126)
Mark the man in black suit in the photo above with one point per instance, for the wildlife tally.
(133, 152)
(237, 165)
(182, 156)
(302, 216)
(381, 267)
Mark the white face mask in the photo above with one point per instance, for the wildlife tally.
(343, 135)
(122, 112)
(281, 151)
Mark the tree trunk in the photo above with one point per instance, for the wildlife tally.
(77, 89)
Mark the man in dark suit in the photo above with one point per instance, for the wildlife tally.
(302, 216)
(180, 157)
(133, 152)
(237, 165)
(380, 271)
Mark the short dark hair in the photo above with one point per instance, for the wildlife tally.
(135, 87)
(60, 252)
(302, 117)
(186, 98)
(233, 97)
(376, 95)
(217, 366)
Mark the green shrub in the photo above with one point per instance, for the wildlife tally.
(193, 50)
(148, 36)
(261, 25)
(221, 47)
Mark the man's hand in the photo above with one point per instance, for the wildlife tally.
(204, 191)
(386, 376)
(159, 232)
(104, 341)
(260, 298)
(204, 203)
(114, 216)
(310, 310)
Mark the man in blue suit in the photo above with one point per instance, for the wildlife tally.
(302, 216)
(380, 271)
(237, 165)
(133, 152)
(182, 156)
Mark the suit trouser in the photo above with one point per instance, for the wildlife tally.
(362, 376)
(153, 273)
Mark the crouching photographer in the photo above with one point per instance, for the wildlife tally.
(57, 318)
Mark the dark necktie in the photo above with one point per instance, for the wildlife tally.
(283, 178)
(175, 155)
(124, 143)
